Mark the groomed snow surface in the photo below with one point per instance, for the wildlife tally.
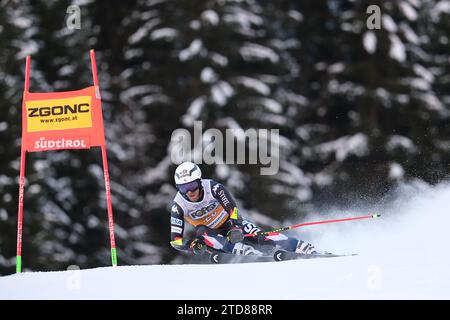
(402, 255)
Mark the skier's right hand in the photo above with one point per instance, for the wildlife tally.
(197, 247)
(235, 235)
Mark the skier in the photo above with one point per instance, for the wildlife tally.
(210, 208)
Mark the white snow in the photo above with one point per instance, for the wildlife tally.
(154, 2)
(388, 23)
(423, 72)
(370, 41)
(131, 54)
(440, 8)
(402, 255)
(402, 98)
(296, 15)
(243, 18)
(219, 59)
(296, 99)
(27, 48)
(400, 142)
(222, 171)
(140, 33)
(193, 49)
(409, 12)
(417, 83)
(302, 194)
(3, 126)
(211, 17)
(350, 88)
(409, 34)
(221, 92)
(397, 50)
(155, 98)
(82, 2)
(384, 96)
(336, 67)
(22, 22)
(292, 175)
(3, 214)
(256, 52)
(323, 179)
(167, 34)
(433, 103)
(415, 3)
(270, 104)
(254, 84)
(5, 180)
(208, 75)
(66, 70)
(132, 92)
(396, 171)
(345, 146)
(194, 111)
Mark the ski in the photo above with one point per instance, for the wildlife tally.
(282, 255)
(218, 257)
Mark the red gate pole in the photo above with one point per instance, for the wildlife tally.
(105, 171)
(22, 173)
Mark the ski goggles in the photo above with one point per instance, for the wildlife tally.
(190, 186)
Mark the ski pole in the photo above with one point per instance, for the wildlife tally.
(266, 233)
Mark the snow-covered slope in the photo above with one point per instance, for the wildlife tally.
(404, 255)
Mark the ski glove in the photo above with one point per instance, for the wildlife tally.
(197, 247)
(235, 218)
(235, 235)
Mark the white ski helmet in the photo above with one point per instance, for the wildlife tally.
(187, 172)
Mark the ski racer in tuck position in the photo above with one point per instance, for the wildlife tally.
(210, 208)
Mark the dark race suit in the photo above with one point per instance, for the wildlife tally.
(211, 218)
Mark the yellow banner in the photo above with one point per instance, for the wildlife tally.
(59, 114)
